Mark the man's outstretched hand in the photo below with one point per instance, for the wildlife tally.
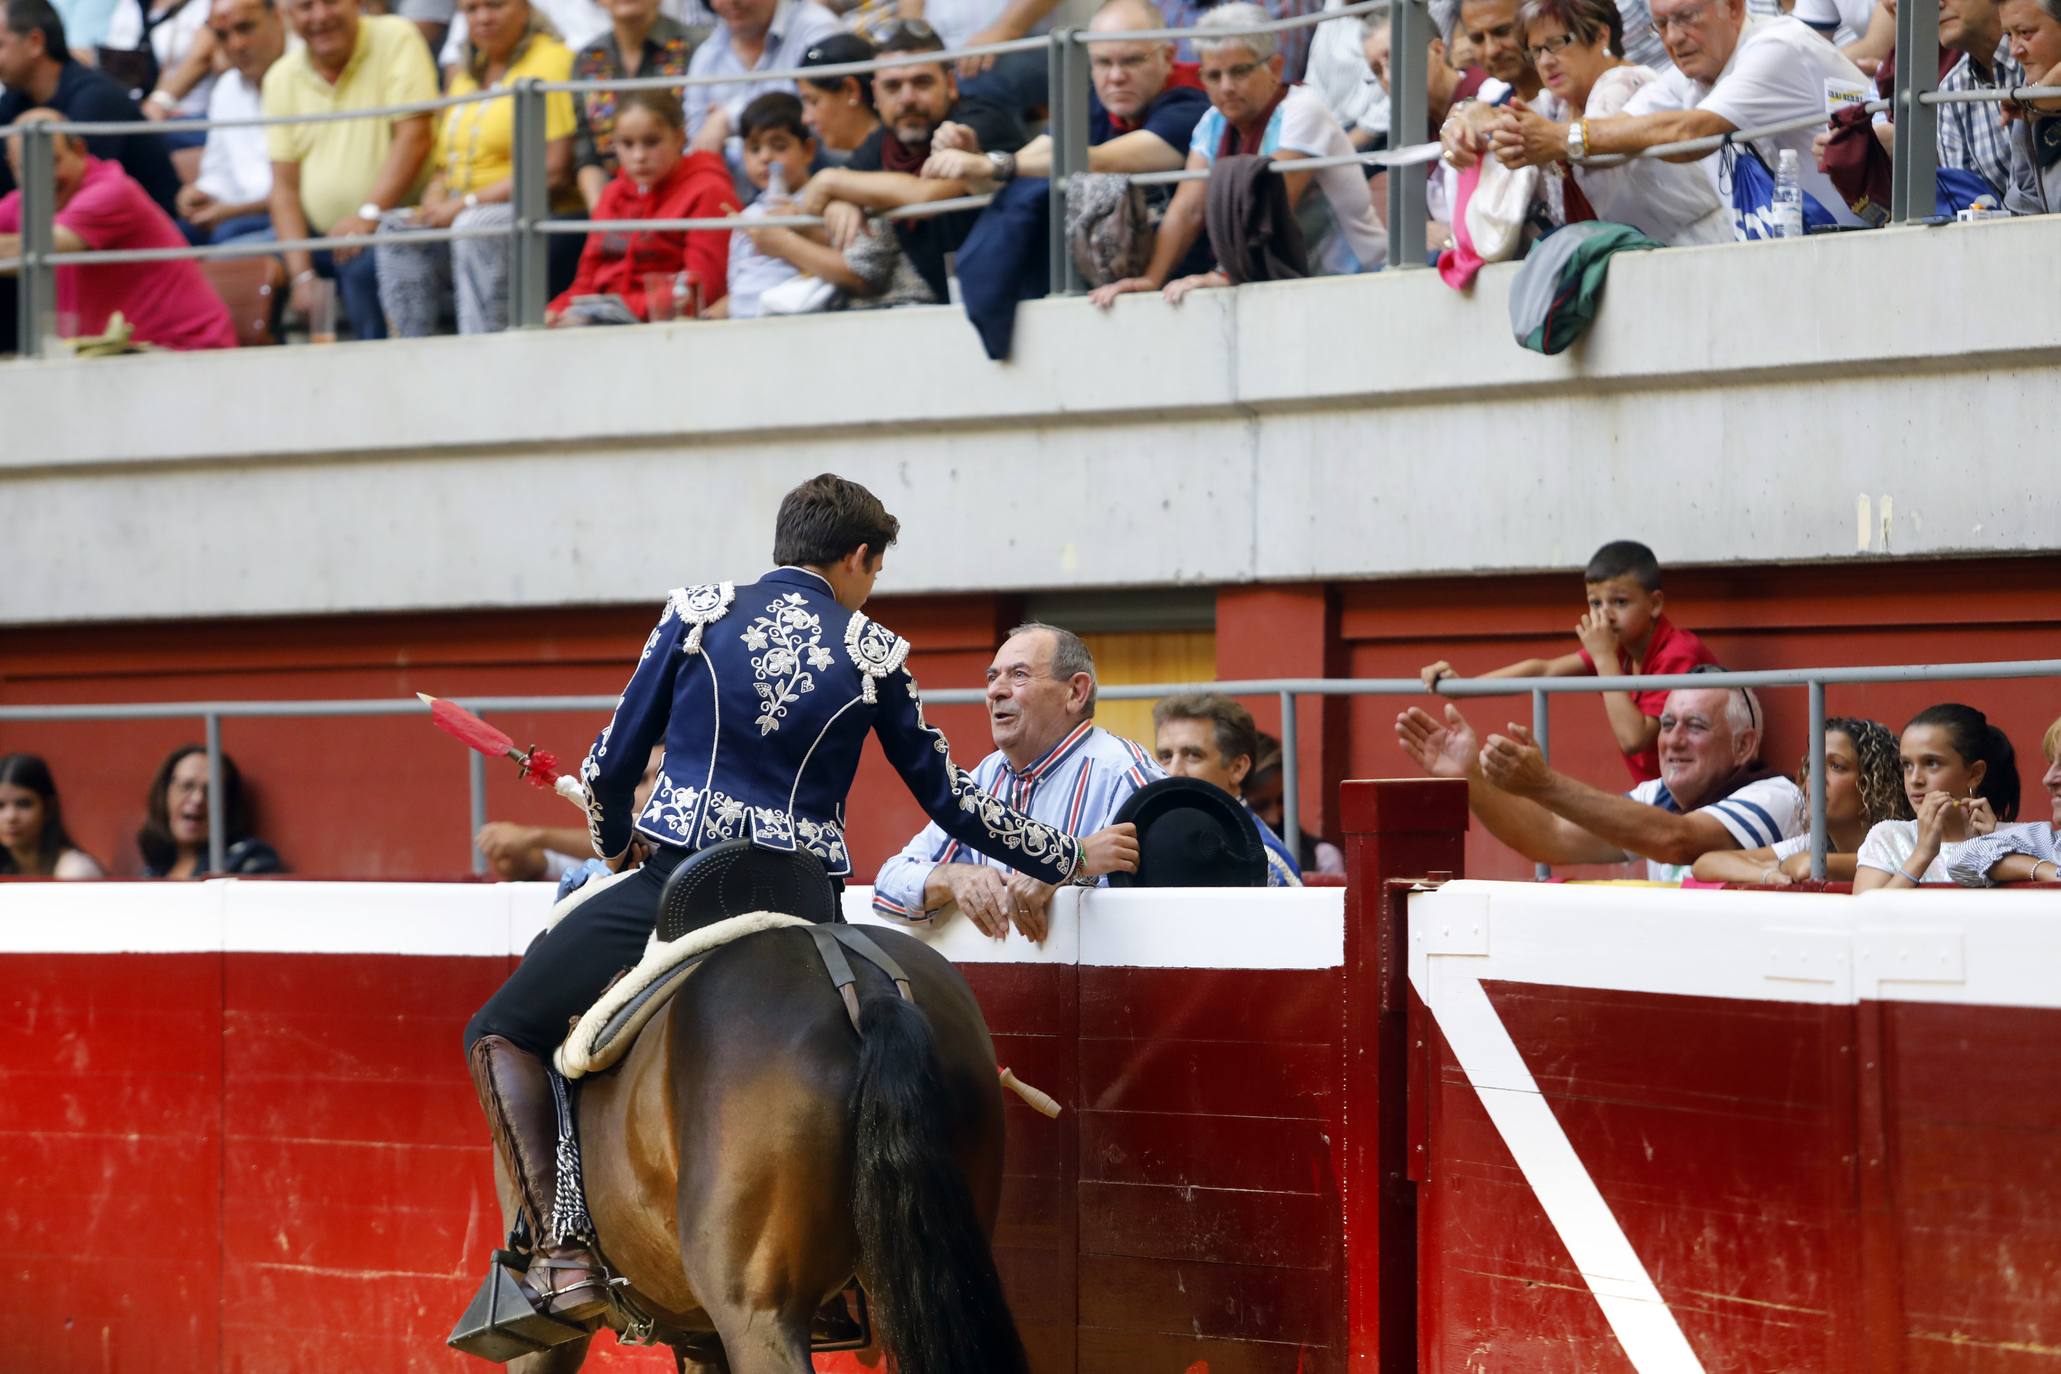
(1515, 763)
(1448, 750)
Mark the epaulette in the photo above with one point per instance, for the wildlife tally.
(875, 651)
(699, 606)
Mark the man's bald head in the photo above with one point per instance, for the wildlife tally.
(67, 151)
(1707, 734)
(1128, 76)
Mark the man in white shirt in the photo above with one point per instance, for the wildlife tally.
(1711, 793)
(1253, 112)
(230, 199)
(1731, 73)
(755, 35)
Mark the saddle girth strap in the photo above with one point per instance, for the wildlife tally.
(829, 938)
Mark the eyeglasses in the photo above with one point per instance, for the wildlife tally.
(1680, 19)
(1550, 48)
(915, 30)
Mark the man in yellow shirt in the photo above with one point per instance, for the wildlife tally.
(337, 179)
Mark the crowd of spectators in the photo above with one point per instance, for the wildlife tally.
(1535, 101)
(1935, 803)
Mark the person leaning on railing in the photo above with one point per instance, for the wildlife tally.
(1961, 775)
(337, 179)
(838, 109)
(1253, 112)
(1863, 787)
(2034, 30)
(2022, 853)
(1575, 46)
(472, 181)
(39, 71)
(640, 42)
(167, 303)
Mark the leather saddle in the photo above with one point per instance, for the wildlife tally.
(736, 878)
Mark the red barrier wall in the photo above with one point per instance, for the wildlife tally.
(223, 1159)
(1738, 1131)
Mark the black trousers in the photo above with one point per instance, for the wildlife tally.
(567, 966)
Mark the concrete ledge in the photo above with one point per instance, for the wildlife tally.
(1877, 393)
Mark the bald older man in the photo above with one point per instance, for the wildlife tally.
(100, 207)
(1711, 794)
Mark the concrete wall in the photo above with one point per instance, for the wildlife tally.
(1877, 394)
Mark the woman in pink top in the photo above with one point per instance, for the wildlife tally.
(169, 304)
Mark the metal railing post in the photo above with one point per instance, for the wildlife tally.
(1409, 31)
(528, 268)
(476, 782)
(218, 814)
(1291, 777)
(36, 290)
(1819, 839)
(1067, 93)
(1542, 731)
(1914, 165)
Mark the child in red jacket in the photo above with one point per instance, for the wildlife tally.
(655, 181)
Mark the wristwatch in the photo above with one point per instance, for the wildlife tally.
(472, 200)
(1578, 141)
(1004, 165)
(370, 212)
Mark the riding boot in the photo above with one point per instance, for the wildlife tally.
(514, 1089)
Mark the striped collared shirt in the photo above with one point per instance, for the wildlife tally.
(1972, 135)
(1078, 786)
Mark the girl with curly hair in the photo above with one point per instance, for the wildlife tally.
(1863, 786)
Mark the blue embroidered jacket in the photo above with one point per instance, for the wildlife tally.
(763, 696)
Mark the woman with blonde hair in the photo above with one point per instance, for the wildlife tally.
(472, 181)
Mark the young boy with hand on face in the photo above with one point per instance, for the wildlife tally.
(1624, 627)
(778, 150)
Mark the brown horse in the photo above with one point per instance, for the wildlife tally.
(750, 1154)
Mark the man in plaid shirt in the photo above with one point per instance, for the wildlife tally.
(1971, 133)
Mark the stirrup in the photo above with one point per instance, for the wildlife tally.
(501, 1323)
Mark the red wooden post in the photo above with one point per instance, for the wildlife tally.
(1394, 829)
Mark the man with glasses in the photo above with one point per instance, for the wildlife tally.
(1051, 761)
(1712, 792)
(754, 36)
(1732, 72)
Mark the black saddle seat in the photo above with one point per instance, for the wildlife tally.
(735, 878)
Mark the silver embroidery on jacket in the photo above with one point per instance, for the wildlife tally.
(875, 651)
(698, 606)
(786, 642)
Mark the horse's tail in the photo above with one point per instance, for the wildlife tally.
(936, 1299)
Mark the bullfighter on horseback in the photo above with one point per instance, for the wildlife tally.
(762, 696)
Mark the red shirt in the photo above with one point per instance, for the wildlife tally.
(1669, 651)
(614, 263)
(169, 304)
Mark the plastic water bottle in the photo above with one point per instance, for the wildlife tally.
(1788, 206)
(776, 182)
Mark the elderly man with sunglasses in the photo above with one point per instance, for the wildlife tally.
(1712, 792)
(1733, 71)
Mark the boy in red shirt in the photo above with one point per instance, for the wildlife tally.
(1624, 625)
(653, 181)
(99, 207)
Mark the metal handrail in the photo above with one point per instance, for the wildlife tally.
(1540, 690)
